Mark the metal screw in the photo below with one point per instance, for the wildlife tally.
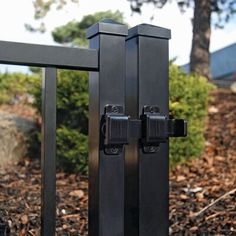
(115, 109)
(114, 150)
(150, 149)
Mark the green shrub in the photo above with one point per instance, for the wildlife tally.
(72, 150)
(189, 98)
(14, 85)
(72, 120)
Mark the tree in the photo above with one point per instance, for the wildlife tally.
(41, 9)
(202, 21)
(74, 33)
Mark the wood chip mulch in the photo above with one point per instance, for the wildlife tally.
(200, 183)
(20, 201)
(202, 191)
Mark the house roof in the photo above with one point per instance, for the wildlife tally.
(223, 62)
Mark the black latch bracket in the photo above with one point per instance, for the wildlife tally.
(157, 128)
(115, 129)
(154, 129)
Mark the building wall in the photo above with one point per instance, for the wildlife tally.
(225, 81)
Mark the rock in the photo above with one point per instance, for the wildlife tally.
(14, 131)
(213, 110)
(193, 190)
(233, 87)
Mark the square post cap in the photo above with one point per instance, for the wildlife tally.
(149, 31)
(107, 26)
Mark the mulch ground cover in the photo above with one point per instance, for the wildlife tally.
(20, 201)
(202, 191)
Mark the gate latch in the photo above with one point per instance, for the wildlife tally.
(157, 128)
(151, 129)
(115, 129)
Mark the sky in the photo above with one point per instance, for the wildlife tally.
(14, 14)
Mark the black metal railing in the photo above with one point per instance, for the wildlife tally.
(50, 58)
(128, 187)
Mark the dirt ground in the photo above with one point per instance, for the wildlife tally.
(202, 191)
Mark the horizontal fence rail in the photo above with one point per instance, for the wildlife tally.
(44, 56)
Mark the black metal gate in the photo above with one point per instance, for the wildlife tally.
(128, 88)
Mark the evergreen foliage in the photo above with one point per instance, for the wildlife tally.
(74, 33)
(13, 86)
(189, 98)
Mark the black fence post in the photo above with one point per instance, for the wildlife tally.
(48, 152)
(146, 174)
(106, 171)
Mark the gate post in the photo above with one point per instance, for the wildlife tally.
(106, 171)
(146, 174)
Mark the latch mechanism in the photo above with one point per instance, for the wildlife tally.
(115, 129)
(151, 129)
(157, 128)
